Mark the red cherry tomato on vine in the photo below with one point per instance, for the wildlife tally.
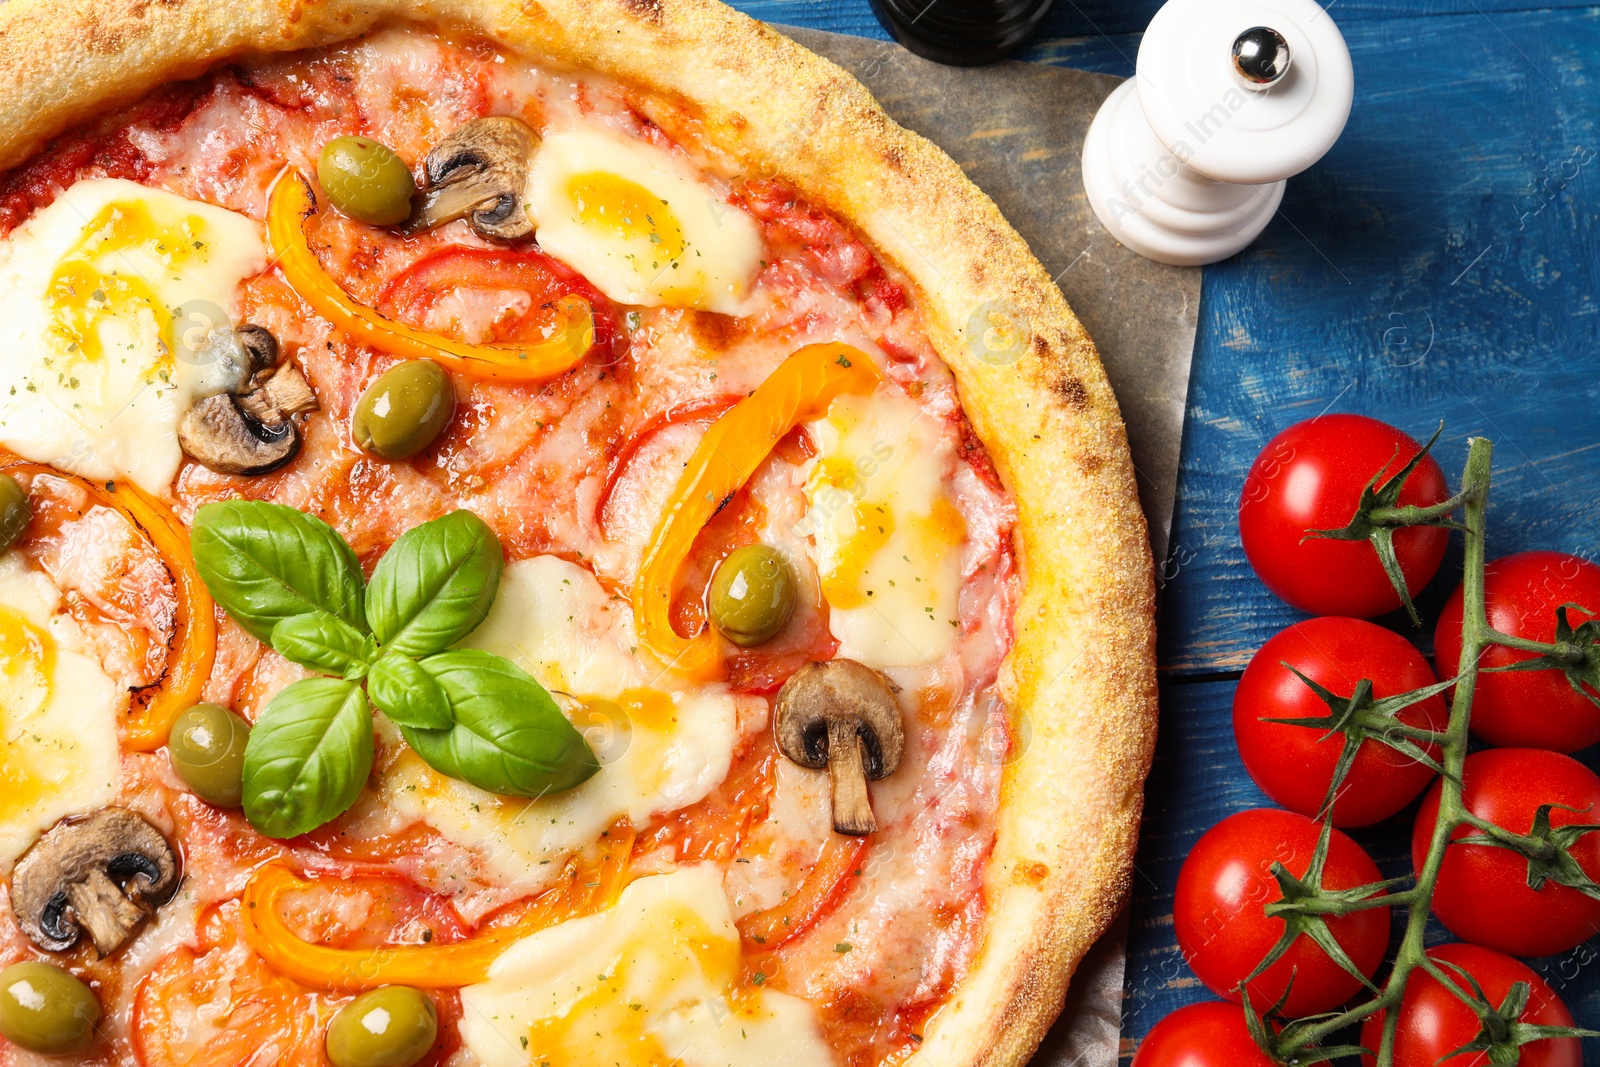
(1531, 709)
(1482, 894)
(1434, 1022)
(1201, 1035)
(1310, 477)
(1223, 930)
(1293, 764)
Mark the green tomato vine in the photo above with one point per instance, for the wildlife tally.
(1304, 904)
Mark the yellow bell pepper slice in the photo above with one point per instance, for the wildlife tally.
(570, 336)
(736, 444)
(193, 648)
(429, 966)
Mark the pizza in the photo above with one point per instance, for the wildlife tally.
(537, 533)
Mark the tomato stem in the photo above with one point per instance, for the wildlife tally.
(1502, 1033)
(1476, 636)
(1564, 653)
(1475, 482)
(1412, 515)
(1532, 846)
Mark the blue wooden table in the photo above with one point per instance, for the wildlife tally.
(1441, 263)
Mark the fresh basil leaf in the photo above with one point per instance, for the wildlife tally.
(509, 736)
(308, 757)
(408, 694)
(435, 585)
(324, 643)
(266, 562)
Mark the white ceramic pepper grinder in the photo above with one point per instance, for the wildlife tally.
(1186, 162)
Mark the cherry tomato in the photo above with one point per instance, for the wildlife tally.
(1293, 764)
(1530, 709)
(1434, 1022)
(1482, 893)
(1310, 477)
(1201, 1035)
(1223, 929)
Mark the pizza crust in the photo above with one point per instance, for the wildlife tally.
(1081, 678)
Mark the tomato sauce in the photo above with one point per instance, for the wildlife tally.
(101, 153)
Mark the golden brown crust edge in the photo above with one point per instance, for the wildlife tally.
(1081, 680)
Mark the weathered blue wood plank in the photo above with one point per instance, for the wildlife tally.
(1197, 781)
(1440, 264)
(1101, 53)
(1094, 18)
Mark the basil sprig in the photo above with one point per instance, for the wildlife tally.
(292, 581)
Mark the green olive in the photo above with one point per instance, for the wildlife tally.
(391, 1026)
(207, 750)
(404, 410)
(45, 1009)
(15, 511)
(752, 595)
(366, 180)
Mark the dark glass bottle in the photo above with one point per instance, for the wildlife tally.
(963, 33)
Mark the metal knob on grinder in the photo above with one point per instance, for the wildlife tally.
(1260, 57)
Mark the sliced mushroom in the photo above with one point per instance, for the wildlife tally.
(277, 396)
(478, 173)
(229, 357)
(248, 428)
(842, 715)
(99, 874)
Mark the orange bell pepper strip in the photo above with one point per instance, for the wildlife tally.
(736, 444)
(822, 890)
(193, 648)
(569, 337)
(428, 966)
(194, 635)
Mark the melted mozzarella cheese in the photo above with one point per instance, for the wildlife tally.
(555, 621)
(58, 715)
(104, 297)
(653, 980)
(658, 751)
(887, 538)
(640, 224)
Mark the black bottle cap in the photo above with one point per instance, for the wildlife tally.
(963, 33)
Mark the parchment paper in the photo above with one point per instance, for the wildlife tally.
(1017, 130)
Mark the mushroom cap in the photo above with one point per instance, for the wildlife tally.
(479, 173)
(116, 842)
(839, 692)
(231, 356)
(248, 429)
(259, 345)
